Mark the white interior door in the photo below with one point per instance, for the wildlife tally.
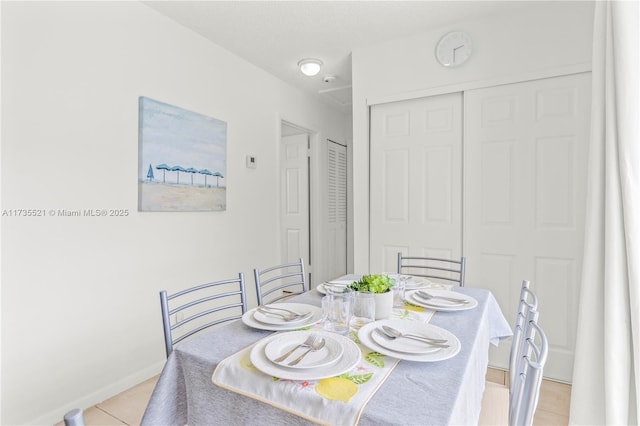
(295, 219)
(525, 176)
(415, 174)
(336, 210)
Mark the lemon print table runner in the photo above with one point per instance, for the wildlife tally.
(332, 400)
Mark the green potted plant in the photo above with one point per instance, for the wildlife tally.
(380, 285)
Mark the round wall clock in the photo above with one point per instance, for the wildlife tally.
(454, 49)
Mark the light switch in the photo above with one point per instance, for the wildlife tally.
(251, 162)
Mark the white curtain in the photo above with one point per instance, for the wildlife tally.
(606, 377)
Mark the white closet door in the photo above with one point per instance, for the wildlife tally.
(336, 209)
(415, 174)
(525, 176)
(295, 199)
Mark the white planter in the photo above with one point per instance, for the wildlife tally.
(384, 305)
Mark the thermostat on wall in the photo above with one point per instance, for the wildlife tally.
(251, 162)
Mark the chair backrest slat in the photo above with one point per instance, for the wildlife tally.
(453, 270)
(277, 281)
(221, 301)
(526, 388)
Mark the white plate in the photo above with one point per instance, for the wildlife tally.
(364, 334)
(349, 359)
(276, 319)
(249, 320)
(401, 344)
(414, 283)
(322, 287)
(441, 304)
(329, 354)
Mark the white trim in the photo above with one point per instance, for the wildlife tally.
(94, 398)
(470, 85)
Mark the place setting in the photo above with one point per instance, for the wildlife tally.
(409, 340)
(412, 282)
(305, 355)
(335, 285)
(282, 316)
(440, 300)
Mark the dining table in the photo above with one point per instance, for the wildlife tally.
(446, 392)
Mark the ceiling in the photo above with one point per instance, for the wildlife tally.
(275, 35)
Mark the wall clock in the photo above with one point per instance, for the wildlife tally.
(454, 49)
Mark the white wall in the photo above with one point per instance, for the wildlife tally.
(80, 310)
(544, 39)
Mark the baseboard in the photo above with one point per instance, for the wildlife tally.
(56, 416)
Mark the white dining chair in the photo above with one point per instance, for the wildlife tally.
(439, 269)
(280, 282)
(195, 309)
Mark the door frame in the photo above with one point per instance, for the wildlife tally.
(312, 192)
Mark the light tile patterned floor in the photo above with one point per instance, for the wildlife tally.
(553, 405)
(128, 407)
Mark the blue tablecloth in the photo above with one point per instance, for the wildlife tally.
(439, 393)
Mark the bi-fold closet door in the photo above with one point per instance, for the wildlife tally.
(497, 174)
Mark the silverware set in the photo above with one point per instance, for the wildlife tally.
(285, 314)
(428, 296)
(312, 343)
(392, 334)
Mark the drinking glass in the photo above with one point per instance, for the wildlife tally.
(398, 291)
(364, 309)
(337, 307)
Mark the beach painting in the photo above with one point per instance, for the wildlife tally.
(182, 159)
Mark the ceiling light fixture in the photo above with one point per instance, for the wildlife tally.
(310, 66)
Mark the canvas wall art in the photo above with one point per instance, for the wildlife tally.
(182, 159)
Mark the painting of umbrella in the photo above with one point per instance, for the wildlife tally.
(164, 168)
(191, 170)
(218, 175)
(206, 173)
(178, 142)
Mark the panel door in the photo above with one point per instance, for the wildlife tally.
(295, 199)
(415, 174)
(525, 176)
(336, 210)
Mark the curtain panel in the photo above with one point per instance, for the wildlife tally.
(606, 376)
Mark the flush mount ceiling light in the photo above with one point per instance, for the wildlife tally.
(310, 66)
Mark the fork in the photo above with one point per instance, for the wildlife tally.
(318, 343)
(306, 344)
(279, 309)
(427, 296)
(284, 315)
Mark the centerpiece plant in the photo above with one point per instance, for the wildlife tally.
(373, 284)
(381, 286)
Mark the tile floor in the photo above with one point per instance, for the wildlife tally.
(553, 405)
(128, 407)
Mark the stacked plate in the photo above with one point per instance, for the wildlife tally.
(257, 318)
(338, 355)
(414, 283)
(338, 285)
(405, 348)
(440, 300)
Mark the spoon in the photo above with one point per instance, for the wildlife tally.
(394, 334)
(315, 346)
(307, 343)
